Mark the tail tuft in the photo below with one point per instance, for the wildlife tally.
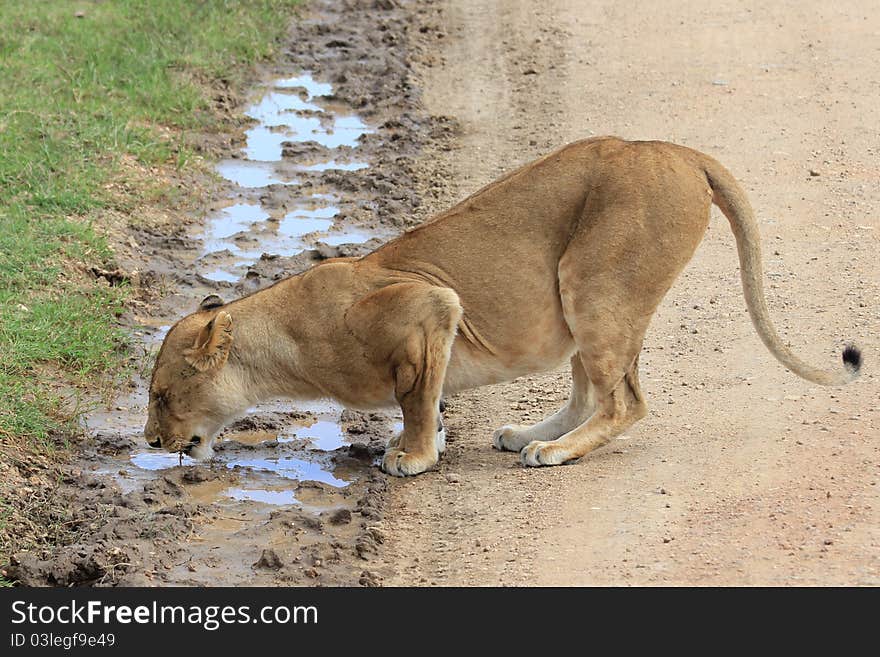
(852, 358)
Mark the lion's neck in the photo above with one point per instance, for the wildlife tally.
(264, 351)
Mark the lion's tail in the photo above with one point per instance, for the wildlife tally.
(730, 197)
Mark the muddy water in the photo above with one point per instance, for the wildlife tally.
(264, 457)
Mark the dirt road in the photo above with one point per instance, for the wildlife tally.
(741, 473)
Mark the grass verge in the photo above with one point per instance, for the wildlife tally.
(86, 87)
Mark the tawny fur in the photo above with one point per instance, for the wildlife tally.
(566, 258)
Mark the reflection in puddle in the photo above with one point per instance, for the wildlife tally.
(245, 173)
(263, 144)
(308, 83)
(273, 108)
(277, 497)
(290, 468)
(156, 460)
(298, 226)
(229, 222)
(221, 275)
(324, 434)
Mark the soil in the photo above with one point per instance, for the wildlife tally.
(742, 474)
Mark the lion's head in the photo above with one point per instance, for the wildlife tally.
(194, 390)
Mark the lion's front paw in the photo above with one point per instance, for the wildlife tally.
(400, 464)
(510, 438)
(539, 452)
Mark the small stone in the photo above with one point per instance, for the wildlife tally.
(452, 477)
(269, 559)
(828, 541)
(814, 173)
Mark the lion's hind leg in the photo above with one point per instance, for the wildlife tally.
(617, 268)
(579, 407)
(617, 410)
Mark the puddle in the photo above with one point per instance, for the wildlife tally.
(286, 116)
(222, 275)
(290, 467)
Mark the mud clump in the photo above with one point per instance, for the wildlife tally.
(112, 444)
(266, 422)
(340, 517)
(76, 566)
(371, 505)
(198, 475)
(361, 452)
(304, 149)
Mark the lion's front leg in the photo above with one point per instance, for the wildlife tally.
(415, 324)
(419, 372)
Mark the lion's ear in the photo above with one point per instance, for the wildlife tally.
(211, 301)
(212, 346)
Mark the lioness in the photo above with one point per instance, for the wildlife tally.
(567, 257)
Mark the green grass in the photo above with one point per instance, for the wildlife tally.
(78, 97)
